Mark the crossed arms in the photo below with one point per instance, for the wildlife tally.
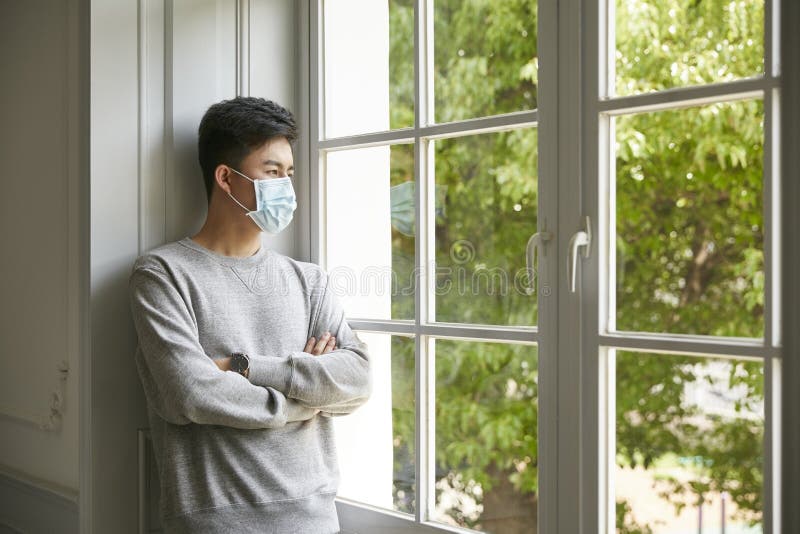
(184, 385)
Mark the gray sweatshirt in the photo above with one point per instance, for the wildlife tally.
(238, 454)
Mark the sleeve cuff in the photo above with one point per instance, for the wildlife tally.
(269, 371)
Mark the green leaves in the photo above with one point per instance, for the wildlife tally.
(663, 44)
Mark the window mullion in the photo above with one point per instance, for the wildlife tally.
(595, 400)
(691, 96)
(424, 411)
(772, 278)
(547, 270)
(771, 215)
(772, 440)
(771, 37)
(315, 120)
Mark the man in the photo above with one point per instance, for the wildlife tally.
(244, 353)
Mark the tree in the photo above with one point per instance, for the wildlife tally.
(689, 241)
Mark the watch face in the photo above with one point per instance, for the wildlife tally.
(239, 362)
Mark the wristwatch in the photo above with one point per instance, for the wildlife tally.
(240, 363)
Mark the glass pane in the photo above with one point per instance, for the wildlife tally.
(486, 436)
(375, 444)
(486, 198)
(690, 232)
(369, 66)
(676, 43)
(485, 58)
(370, 200)
(689, 444)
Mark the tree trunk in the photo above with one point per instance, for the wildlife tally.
(505, 509)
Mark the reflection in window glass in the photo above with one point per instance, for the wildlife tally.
(486, 436)
(375, 444)
(485, 58)
(689, 435)
(369, 66)
(486, 199)
(370, 194)
(690, 231)
(676, 43)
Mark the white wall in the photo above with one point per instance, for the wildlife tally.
(42, 142)
(114, 399)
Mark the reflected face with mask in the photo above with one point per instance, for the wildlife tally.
(261, 185)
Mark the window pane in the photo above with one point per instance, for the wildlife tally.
(485, 58)
(486, 198)
(689, 437)
(486, 428)
(689, 220)
(370, 230)
(676, 43)
(369, 66)
(375, 444)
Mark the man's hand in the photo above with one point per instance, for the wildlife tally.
(223, 363)
(325, 344)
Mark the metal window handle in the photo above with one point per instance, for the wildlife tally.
(581, 238)
(535, 243)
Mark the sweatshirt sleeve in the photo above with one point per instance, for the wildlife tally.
(337, 382)
(181, 382)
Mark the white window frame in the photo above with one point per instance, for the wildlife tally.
(424, 329)
(576, 411)
(600, 338)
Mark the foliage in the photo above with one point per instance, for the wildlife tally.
(689, 242)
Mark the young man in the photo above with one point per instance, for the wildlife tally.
(244, 353)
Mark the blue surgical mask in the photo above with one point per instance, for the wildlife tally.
(275, 203)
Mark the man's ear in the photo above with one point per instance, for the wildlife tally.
(222, 176)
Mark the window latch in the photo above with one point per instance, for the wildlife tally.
(581, 238)
(536, 244)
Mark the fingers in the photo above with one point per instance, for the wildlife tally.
(319, 348)
(324, 345)
(330, 346)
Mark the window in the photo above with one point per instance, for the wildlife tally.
(687, 335)
(558, 236)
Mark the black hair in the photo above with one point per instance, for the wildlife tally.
(231, 129)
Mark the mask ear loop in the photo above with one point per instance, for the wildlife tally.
(240, 204)
(234, 198)
(242, 175)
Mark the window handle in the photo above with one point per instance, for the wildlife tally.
(581, 238)
(536, 243)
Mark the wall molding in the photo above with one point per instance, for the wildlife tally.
(243, 48)
(148, 485)
(80, 49)
(51, 419)
(155, 126)
(31, 505)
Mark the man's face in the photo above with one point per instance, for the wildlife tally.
(271, 160)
